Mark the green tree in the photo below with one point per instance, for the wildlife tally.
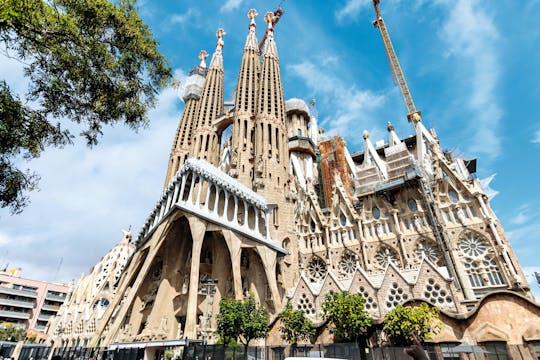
(229, 320)
(347, 315)
(93, 62)
(242, 320)
(12, 333)
(295, 326)
(403, 323)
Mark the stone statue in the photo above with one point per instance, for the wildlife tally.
(185, 284)
(378, 230)
(260, 164)
(234, 156)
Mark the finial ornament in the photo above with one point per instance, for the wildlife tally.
(390, 126)
(219, 34)
(269, 18)
(251, 15)
(365, 134)
(202, 56)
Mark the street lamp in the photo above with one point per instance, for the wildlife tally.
(208, 289)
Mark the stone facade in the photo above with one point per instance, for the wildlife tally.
(77, 320)
(284, 212)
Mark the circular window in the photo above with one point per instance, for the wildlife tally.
(376, 212)
(385, 256)
(472, 246)
(317, 269)
(429, 251)
(348, 263)
(413, 206)
(343, 220)
(453, 196)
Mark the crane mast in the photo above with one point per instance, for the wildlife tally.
(412, 113)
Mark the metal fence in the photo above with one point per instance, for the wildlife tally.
(7, 348)
(350, 351)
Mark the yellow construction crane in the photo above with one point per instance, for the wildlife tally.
(413, 114)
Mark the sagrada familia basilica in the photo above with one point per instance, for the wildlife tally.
(280, 210)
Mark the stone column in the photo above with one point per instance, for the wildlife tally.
(198, 229)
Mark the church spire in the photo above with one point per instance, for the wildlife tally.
(245, 107)
(206, 141)
(192, 89)
(271, 91)
(271, 146)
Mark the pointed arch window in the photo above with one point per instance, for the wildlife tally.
(343, 219)
(480, 262)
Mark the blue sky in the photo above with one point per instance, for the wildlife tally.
(471, 66)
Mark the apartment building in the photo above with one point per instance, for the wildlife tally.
(29, 303)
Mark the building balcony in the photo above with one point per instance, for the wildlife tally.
(57, 298)
(44, 317)
(40, 328)
(53, 308)
(17, 303)
(14, 314)
(21, 293)
(301, 144)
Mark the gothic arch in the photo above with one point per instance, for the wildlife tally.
(254, 278)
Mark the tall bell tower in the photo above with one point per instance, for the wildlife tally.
(205, 143)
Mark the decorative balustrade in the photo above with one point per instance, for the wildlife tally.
(201, 189)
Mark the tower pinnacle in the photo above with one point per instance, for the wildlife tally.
(245, 107)
(251, 15)
(205, 143)
(202, 56)
(219, 34)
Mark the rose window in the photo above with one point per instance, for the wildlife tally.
(429, 251)
(317, 269)
(385, 256)
(348, 263)
(473, 246)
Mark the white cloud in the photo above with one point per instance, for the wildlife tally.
(181, 19)
(351, 106)
(471, 38)
(351, 9)
(231, 5)
(89, 195)
(536, 137)
(523, 216)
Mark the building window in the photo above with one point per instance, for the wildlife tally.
(454, 197)
(376, 212)
(343, 220)
(275, 214)
(497, 350)
(412, 205)
(480, 262)
(447, 352)
(535, 345)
